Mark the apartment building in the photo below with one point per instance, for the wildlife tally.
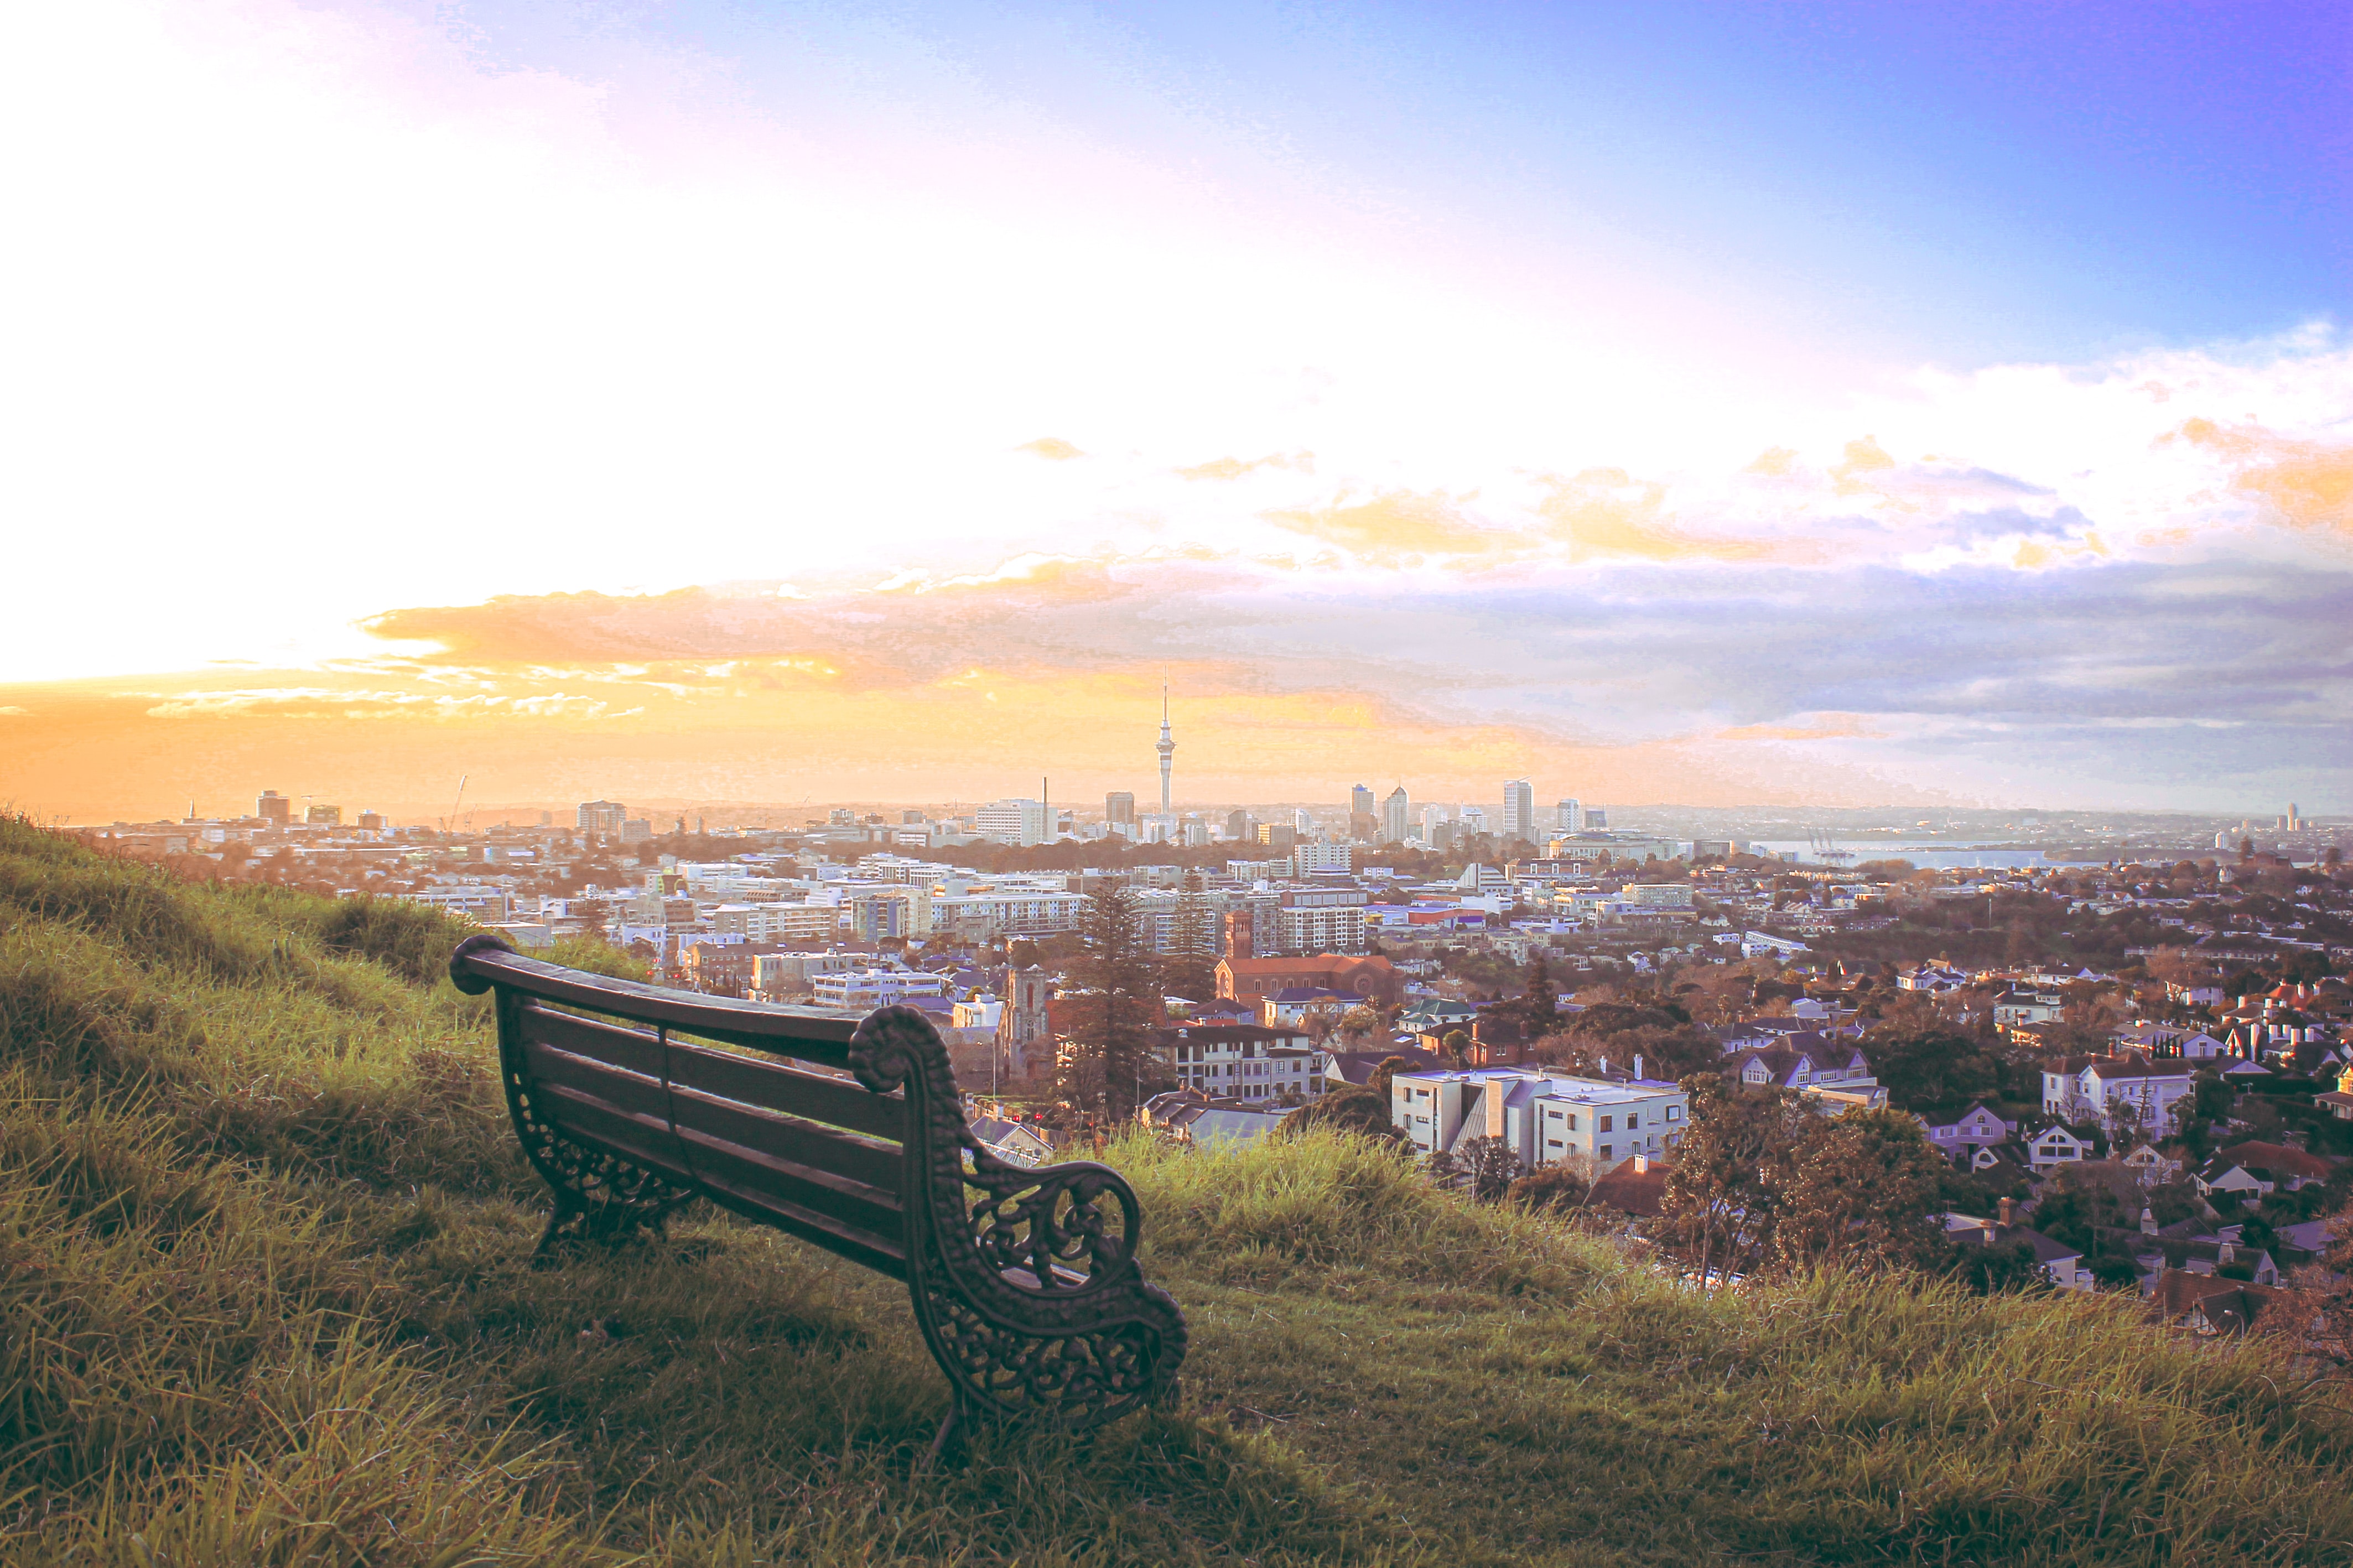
(1545, 1116)
(1241, 1061)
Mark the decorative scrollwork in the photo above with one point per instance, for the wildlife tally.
(600, 1198)
(1031, 1298)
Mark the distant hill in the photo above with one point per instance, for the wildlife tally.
(265, 1243)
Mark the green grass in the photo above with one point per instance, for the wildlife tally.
(264, 1246)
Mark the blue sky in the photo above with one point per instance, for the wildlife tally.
(1968, 183)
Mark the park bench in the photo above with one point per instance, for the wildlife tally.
(848, 1133)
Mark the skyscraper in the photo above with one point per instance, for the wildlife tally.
(1167, 749)
(1519, 810)
(1569, 816)
(1361, 799)
(1396, 812)
(1119, 808)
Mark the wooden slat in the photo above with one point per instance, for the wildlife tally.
(861, 1161)
(639, 1051)
(775, 1087)
(630, 1093)
(883, 1254)
(763, 1177)
(591, 1121)
(803, 1032)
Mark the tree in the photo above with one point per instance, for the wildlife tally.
(1489, 1166)
(1350, 1110)
(1189, 968)
(1553, 1188)
(1722, 1192)
(1455, 1047)
(1542, 1004)
(1386, 1074)
(1113, 1003)
(1921, 1067)
(1862, 1188)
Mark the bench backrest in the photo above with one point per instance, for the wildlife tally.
(807, 1150)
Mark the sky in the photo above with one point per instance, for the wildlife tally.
(686, 402)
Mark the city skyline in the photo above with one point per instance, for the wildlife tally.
(1822, 405)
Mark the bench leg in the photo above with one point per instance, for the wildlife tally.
(950, 1439)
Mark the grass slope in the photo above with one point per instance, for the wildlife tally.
(263, 1255)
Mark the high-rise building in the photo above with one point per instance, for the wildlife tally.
(325, 816)
(274, 808)
(373, 822)
(2294, 822)
(1360, 801)
(1119, 808)
(1569, 817)
(1397, 816)
(1020, 821)
(1519, 810)
(1241, 825)
(602, 817)
(1167, 747)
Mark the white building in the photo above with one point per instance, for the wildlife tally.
(1519, 817)
(2133, 1090)
(1569, 817)
(1308, 859)
(481, 902)
(1546, 1116)
(1020, 821)
(1321, 920)
(1241, 1061)
(863, 990)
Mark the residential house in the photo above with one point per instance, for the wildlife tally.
(2247, 1170)
(1016, 1142)
(1959, 1137)
(2130, 1091)
(1817, 1063)
(1636, 1188)
(2208, 1306)
(2013, 1008)
(2061, 1264)
(1345, 1067)
(2053, 1147)
(1934, 978)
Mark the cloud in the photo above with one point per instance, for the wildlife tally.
(1054, 449)
(2305, 483)
(1235, 468)
(14, 713)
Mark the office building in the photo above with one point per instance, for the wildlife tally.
(274, 808)
(1569, 817)
(601, 818)
(1397, 816)
(325, 816)
(1519, 820)
(1119, 808)
(1020, 821)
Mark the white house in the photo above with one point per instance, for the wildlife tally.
(2132, 1089)
(2053, 1147)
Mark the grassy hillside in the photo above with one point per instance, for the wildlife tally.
(263, 1246)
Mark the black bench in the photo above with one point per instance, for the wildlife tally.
(1029, 1296)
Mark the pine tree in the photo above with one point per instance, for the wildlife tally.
(1114, 1004)
(1544, 1007)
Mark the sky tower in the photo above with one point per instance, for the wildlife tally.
(1167, 749)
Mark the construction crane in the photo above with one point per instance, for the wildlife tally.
(452, 817)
